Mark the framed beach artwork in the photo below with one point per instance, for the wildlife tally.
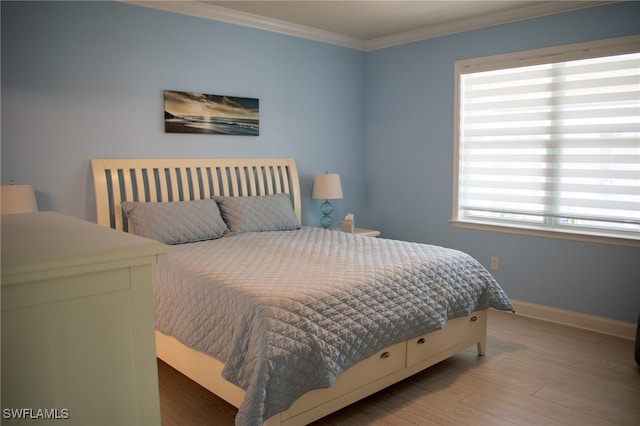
(190, 112)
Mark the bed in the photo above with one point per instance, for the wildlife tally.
(287, 322)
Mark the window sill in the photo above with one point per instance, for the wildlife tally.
(585, 237)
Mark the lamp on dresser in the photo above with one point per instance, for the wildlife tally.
(327, 186)
(18, 199)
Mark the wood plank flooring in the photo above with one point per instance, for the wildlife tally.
(534, 373)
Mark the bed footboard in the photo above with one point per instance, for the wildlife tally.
(390, 365)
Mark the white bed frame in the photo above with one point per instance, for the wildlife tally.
(118, 180)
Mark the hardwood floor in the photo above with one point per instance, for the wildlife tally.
(534, 373)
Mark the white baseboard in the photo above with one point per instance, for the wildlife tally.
(617, 328)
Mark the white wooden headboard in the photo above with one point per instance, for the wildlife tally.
(182, 179)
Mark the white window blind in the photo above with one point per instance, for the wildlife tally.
(554, 144)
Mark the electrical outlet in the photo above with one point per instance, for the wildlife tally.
(495, 262)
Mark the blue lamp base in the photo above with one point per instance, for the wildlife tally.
(326, 209)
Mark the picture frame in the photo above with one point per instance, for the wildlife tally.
(192, 112)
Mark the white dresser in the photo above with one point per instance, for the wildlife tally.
(77, 323)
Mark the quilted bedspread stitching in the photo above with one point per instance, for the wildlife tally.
(289, 311)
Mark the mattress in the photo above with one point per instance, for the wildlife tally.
(288, 311)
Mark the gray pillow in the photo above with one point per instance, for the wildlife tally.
(258, 213)
(175, 222)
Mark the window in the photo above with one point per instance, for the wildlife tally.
(549, 141)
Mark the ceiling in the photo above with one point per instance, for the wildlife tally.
(368, 25)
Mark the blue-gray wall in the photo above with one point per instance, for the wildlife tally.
(83, 80)
(410, 108)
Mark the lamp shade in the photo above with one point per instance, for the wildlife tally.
(18, 199)
(327, 186)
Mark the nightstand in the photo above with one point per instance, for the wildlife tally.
(363, 231)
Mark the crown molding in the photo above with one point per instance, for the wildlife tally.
(529, 12)
(223, 14)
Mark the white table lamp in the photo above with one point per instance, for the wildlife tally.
(327, 186)
(18, 199)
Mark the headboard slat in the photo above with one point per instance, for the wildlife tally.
(181, 179)
(173, 185)
(127, 186)
(215, 181)
(233, 177)
(269, 178)
(195, 182)
(224, 188)
(139, 184)
(162, 181)
(115, 187)
(152, 193)
(259, 175)
(187, 187)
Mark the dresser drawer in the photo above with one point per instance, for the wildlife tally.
(468, 329)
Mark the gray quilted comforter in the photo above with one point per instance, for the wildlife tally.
(288, 311)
